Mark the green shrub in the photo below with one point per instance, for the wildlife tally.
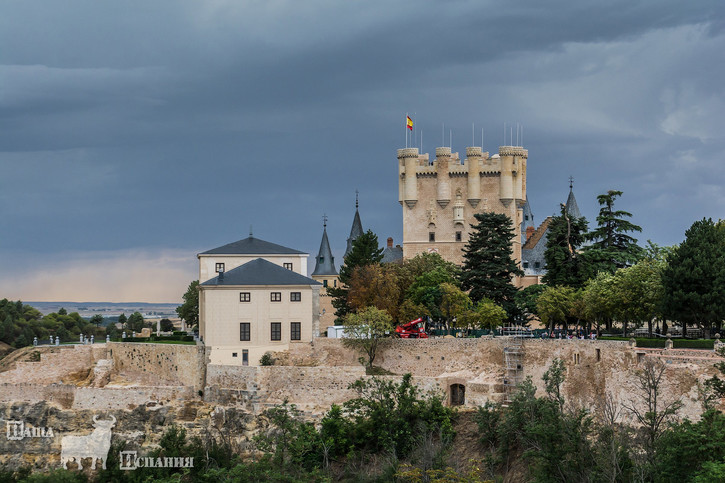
(266, 360)
(693, 344)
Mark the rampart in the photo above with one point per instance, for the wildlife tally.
(173, 364)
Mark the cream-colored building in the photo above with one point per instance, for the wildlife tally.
(440, 197)
(258, 306)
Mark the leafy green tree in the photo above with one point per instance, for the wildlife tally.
(485, 315)
(97, 319)
(454, 303)
(166, 325)
(488, 267)
(526, 301)
(694, 279)
(367, 331)
(365, 251)
(136, 322)
(564, 263)
(122, 320)
(638, 293)
(599, 301)
(555, 306)
(611, 246)
(189, 310)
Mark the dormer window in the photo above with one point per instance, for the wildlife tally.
(288, 266)
(219, 268)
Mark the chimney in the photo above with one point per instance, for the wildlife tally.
(529, 231)
(390, 242)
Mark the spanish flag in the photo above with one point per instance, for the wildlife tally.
(409, 123)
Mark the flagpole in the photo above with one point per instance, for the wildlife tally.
(406, 129)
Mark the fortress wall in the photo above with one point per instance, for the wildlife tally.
(129, 397)
(176, 363)
(61, 394)
(56, 363)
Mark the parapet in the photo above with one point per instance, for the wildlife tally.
(474, 152)
(409, 153)
(513, 151)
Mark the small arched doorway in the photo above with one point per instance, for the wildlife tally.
(458, 394)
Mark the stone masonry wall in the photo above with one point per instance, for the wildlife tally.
(56, 364)
(175, 364)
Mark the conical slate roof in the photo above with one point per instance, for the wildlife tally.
(356, 229)
(527, 221)
(324, 261)
(571, 207)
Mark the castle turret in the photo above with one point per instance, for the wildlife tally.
(324, 261)
(572, 209)
(357, 228)
(443, 183)
(473, 160)
(408, 184)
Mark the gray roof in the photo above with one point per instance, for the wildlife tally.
(355, 231)
(572, 209)
(324, 261)
(252, 246)
(261, 272)
(392, 254)
(527, 221)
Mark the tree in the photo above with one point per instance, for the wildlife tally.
(612, 247)
(598, 298)
(485, 315)
(526, 301)
(488, 267)
(694, 279)
(365, 251)
(166, 325)
(366, 331)
(136, 322)
(555, 306)
(564, 264)
(454, 303)
(638, 293)
(375, 285)
(97, 319)
(189, 310)
(122, 320)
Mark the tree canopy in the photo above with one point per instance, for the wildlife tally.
(488, 267)
(189, 310)
(612, 247)
(564, 263)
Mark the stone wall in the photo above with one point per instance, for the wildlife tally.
(172, 364)
(57, 364)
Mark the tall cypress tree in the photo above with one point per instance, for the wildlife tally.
(365, 251)
(612, 247)
(488, 267)
(694, 279)
(564, 264)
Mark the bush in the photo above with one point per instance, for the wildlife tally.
(693, 344)
(266, 360)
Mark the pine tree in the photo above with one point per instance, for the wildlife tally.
(365, 251)
(694, 279)
(612, 248)
(488, 267)
(564, 264)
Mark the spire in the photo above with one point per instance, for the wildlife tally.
(572, 208)
(357, 228)
(527, 221)
(324, 261)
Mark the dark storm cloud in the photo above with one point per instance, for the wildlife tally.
(176, 125)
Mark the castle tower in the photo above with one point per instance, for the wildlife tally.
(572, 209)
(327, 275)
(439, 199)
(356, 229)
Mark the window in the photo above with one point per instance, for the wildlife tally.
(288, 266)
(234, 354)
(219, 267)
(245, 297)
(245, 357)
(296, 330)
(537, 264)
(276, 297)
(324, 283)
(334, 283)
(244, 331)
(526, 264)
(431, 236)
(295, 296)
(276, 330)
(459, 237)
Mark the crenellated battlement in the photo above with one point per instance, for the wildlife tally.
(513, 151)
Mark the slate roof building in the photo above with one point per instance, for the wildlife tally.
(533, 262)
(258, 300)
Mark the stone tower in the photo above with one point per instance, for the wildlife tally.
(440, 197)
(327, 275)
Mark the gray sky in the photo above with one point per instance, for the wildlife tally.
(136, 134)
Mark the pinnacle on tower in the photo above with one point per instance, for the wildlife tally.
(572, 209)
(357, 228)
(324, 261)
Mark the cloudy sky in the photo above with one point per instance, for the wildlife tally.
(135, 134)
